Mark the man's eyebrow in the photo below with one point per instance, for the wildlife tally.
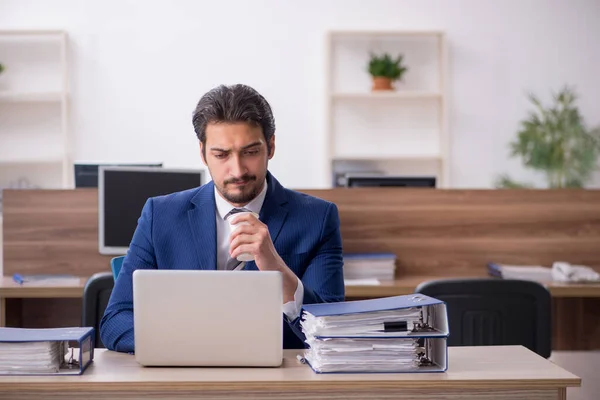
(246, 147)
(254, 144)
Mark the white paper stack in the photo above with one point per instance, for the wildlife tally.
(536, 273)
(393, 334)
(381, 266)
(355, 355)
(43, 351)
(360, 324)
(32, 357)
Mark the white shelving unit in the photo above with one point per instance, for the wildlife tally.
(401, 132)
(34, 110)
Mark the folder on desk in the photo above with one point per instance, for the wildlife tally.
(45, 351)
(392, 334)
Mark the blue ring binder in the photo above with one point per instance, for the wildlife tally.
(56, 338)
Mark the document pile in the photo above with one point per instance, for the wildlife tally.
(560, 272)
(45, 351)
(380, 266)
(394, 334)
(521, 272)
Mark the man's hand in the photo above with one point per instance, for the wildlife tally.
(254, 238)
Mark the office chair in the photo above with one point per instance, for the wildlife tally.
(115, 265)
(96, 294)
(495, 312)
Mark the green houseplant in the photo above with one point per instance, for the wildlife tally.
(556, 141)
(384, 70)
(1, 68)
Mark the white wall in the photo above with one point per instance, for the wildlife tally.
(139, 67)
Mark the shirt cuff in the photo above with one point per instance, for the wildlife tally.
(292, 308)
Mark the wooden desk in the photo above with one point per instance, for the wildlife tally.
(408, 285)
(51, 289)
(490, 373)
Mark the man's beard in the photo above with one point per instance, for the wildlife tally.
(247, 193)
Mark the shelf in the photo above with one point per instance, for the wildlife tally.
(31, 161)
(389, 95)
(31, 97)
(36, 82)
(386, 157)
(401, 131)
(31, 32)
(383, 34)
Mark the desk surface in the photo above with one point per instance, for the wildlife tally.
(74, 288)
(499, 367)
(53, 288)
(407, 285)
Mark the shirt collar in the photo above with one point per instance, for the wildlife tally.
(223, 207)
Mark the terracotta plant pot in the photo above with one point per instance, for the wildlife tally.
(382, 83)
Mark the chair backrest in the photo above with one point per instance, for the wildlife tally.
(495, 312)
(115, 265)
(96, 294)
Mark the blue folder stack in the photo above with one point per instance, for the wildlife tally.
(45, 351)
(392, 334)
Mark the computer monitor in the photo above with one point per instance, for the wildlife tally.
(86, 174)
(389, 181)
(122, 193)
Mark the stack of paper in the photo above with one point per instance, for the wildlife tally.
(354, 355)
(374, 323)
(522, 272)
(380, 266)
(43, 351)
(560, 272)
(32, 357)
(394, 334)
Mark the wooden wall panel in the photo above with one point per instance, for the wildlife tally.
(52, 231)
(432, 232)
(457, 232)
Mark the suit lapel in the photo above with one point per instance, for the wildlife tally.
(273, 211)
(204, 227)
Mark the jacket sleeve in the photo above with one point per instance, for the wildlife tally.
(323, 279)
(116, 326)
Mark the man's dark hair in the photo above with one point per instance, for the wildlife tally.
(231, 104)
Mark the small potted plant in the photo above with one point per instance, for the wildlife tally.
(385, 70)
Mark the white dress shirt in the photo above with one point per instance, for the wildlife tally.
(292, 308)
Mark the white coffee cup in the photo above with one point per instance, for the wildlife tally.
(244, 256)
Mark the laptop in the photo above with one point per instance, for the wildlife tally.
(210, 318)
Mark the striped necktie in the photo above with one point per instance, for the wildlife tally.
(235, 211)
(232, 263)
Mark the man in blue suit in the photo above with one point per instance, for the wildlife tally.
(295, 234)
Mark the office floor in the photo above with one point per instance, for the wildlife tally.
(586, 365)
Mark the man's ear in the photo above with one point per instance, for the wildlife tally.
(272, 147)
(202, 148)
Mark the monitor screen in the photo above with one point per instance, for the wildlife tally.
(122, 193)
(86, 174)
(390, 181)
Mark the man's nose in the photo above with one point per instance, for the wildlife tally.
(237, 169)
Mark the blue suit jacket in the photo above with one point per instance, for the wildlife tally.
(178, 231)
